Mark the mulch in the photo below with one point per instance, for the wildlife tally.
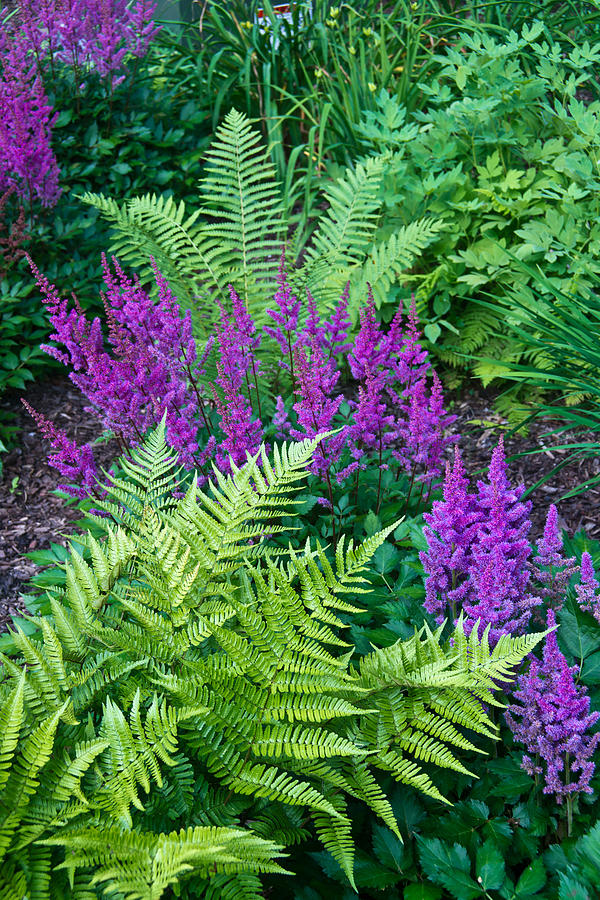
(32, 516)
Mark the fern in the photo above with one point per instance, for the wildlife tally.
(195, 674)
(237, 232)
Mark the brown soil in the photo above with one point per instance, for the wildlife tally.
(32, 516)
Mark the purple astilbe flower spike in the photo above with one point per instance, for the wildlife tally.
(72, 461)
(148, 370)
(450, 532)
(587, 590)
(503, 532)
(551, 569)
(89, 35)
(281, 420)
(313, 331)
(27, 161)
(422, 431)
(285, 315)
(338, 327)
(316, 406)
(555, 721)
(243, 433)
(369, 351)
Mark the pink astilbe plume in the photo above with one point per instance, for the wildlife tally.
(422, 430)
(147, 373)
(88, 35)
(317, 406)
(555, 723)
(284, 313)
(478, 556)
(586, 591)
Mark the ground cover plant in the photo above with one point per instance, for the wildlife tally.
(295, 649)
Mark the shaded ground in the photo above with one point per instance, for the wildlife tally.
(31, 516)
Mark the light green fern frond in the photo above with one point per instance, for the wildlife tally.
(142, 865)
(239, 193)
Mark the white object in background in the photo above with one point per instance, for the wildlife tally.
(283, 11)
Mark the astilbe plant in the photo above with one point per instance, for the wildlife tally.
(88, 35)
(27, 162)
(479, 561)
(554, 724)
(149, 367)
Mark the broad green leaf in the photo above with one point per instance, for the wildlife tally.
(490, 867)
(532, 879)
(448, 866)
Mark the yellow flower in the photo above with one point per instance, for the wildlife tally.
(352, 51)
(367, 32)
(247, 26)
(334, 12)
(372, 87)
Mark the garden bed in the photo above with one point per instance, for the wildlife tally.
(33, 515)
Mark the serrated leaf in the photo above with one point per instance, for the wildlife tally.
(448, 866)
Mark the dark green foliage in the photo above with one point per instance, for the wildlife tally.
(191, 680)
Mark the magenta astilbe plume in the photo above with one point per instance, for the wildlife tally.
(551, 569)
(148, 371)
(313, 332)
(370, 349)
(88, 35)
(587, 593)
(72, 461)
(281, 420)
(422, 430)
(450, 531)
(243, 433)
(27, 161)
(555, 723)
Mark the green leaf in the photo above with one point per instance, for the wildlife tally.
(388, 849)
(532, 879)
(461, 77)
(449, 867)
(422, 892)
(372, 523)
(385, 558)
(590, 671)
(508, 779)
(578, 633)
(570, 889)
(490, 867)
(432, 332)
